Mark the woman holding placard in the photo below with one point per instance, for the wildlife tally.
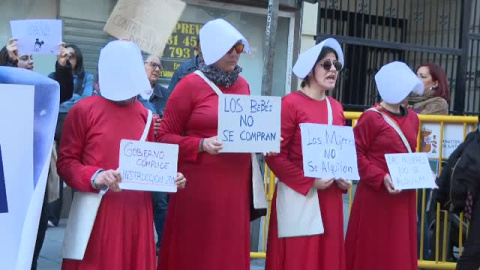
(294, 241)
(122, 233)
(208, 224)
(382, 231)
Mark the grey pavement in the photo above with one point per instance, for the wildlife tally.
(50, 255)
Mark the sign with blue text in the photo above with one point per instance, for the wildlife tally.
(148, 166)
(249, 124)
(410, 171)
(329, 151)
(37, 36)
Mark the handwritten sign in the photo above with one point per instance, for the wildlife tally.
(329, 151)
(37, 36)
(249, 124)
(410, 171)
(180, 47)
(148, 23)
(148, 166)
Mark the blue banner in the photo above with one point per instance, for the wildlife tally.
(3, 192)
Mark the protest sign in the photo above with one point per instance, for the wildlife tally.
(37, 36)
(249, 124)
(148, 166)
(329, 151)
(26, 144)
(148, 23)
(410, 171)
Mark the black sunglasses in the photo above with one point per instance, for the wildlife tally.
(327, 65)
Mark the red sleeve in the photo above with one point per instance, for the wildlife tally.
(69, 163)
(366, 132)
(286, 171)
(177, 113)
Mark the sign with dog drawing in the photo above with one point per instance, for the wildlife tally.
(37, 36)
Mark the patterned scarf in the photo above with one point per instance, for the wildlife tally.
(219, 76)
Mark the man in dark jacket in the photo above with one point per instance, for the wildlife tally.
(186, 68)
(459, 190)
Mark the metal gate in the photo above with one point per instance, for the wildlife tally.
(375, 32)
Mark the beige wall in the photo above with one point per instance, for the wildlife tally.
(28, 9)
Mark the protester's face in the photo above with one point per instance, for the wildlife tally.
(424, 74)
(229, 61)
(72, 58)
(26, 61)
(152, 68)
(326, 79)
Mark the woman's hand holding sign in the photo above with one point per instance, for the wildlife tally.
(12, 48)
(323, 183)
(387, 181)
(211, 145)
(108, 178)
(344, 184)
(181, 181)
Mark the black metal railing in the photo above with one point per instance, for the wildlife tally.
(375, 32)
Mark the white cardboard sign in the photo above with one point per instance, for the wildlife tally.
(148, 166)
(37, 36)
(410, 171)
(249, 124)
(329, 151)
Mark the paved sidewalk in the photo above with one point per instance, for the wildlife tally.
(50, 255)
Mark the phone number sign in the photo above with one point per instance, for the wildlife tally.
(180, 47)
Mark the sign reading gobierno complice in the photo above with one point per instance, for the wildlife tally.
(148, 166)
(249, 124)
(329, 151)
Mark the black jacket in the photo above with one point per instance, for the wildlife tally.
(461, 174)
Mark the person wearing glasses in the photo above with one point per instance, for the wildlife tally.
(155, 101)
(208, 223)
(294, 242)
(382, 229)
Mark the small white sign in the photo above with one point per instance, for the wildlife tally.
(37, 36)
(148, 166)
(329, 151)
(410, 171)
(249, 124)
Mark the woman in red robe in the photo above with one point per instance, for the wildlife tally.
(319, 67)
(382, 231)
(122, 235)
(208, 224)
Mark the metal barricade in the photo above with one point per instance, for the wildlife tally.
(441, 218)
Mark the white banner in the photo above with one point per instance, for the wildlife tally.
(148, 166)
(249, 124)
(26, 137)
(410, 171)
(329, 151)
(37, 36)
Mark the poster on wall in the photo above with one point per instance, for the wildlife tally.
(430, 139)
(26, 145)
(180, 48)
